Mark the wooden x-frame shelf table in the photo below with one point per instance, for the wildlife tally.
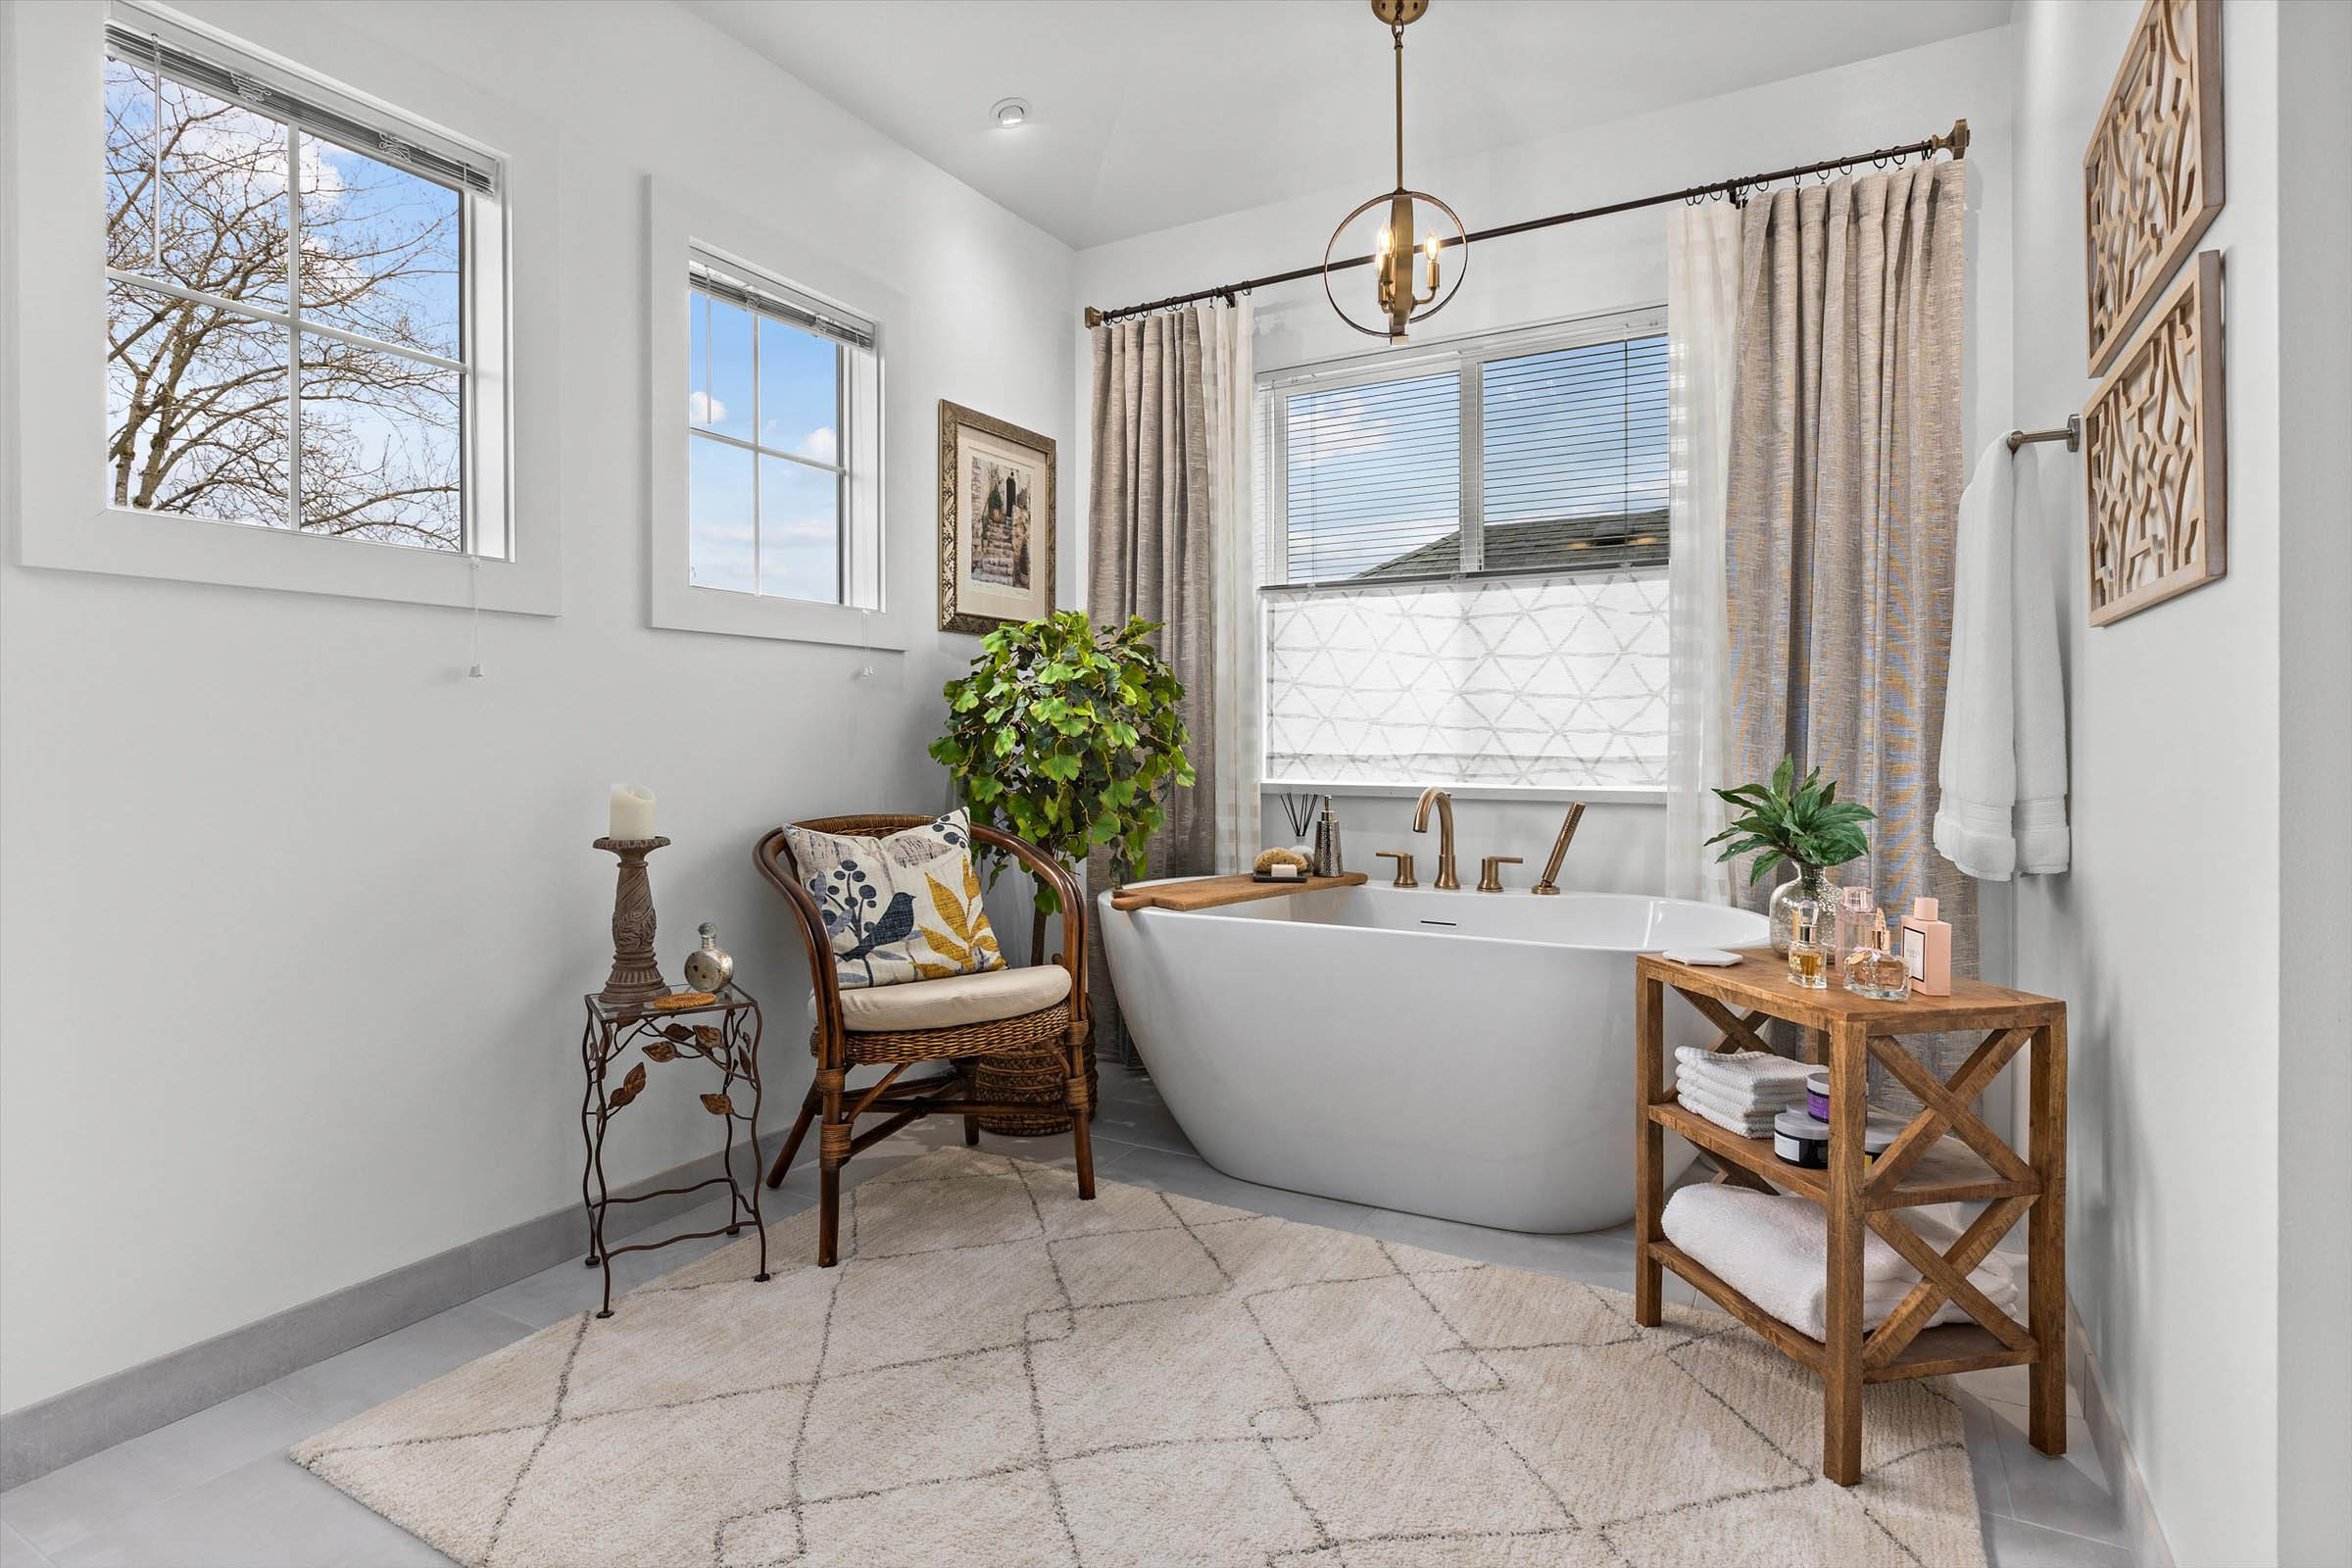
(1947, 1154)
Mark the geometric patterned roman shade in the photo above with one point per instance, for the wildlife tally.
(1556, 681)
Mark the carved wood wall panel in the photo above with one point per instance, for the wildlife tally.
(2155, 460)
(2152, 176)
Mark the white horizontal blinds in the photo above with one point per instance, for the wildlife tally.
(1373, 480)
(1574, 460)
(152, 45)
(786, 304)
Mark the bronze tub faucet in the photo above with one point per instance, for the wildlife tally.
(1443, 801)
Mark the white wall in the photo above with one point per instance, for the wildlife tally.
(2315, 704)
(1586, 268)
(2208, 827)
(295, 918)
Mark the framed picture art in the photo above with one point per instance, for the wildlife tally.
(2153, 175)
(996, 521)
(2155, 449)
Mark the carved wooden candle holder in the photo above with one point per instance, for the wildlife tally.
(636, 973)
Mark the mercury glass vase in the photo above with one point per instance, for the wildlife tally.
(1810, 882)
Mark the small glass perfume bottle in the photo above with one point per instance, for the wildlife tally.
(1877, 971)
(1851, 932)
(1808, 960)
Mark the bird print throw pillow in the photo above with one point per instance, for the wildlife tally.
(901, 908)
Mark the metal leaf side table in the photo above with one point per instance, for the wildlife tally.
(723, 1032)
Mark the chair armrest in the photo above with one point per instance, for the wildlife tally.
(1053, 875)
(769, 856)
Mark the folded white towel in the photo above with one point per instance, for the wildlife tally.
(1743, 1090)
(1757, 1067)
(1774, 1251)
(1729, 1124)
(2001, 773)
(1748, 1121)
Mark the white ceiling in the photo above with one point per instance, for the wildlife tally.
(1151, 112)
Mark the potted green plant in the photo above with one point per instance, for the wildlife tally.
(1807, 826)
(1070, 738)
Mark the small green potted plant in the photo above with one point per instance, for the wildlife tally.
(1807, 826)
(1070, 738)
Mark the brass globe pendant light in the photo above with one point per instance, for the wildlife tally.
(1392, 258)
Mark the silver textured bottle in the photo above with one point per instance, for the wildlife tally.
(709, 967)
(1329, 860)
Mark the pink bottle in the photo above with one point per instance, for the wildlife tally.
(1928, 949)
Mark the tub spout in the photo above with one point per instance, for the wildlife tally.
(1443, 801)
(1559, 851)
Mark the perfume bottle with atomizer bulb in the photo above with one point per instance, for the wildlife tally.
(1877, 971)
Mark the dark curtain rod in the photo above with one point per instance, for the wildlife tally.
(1954, 141)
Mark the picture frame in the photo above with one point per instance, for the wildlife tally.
(2153, 176)
(2155, 455)
(997, 543)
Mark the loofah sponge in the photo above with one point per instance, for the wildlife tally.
(1279, 856)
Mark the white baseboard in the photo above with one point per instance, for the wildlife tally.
(2143, 1534)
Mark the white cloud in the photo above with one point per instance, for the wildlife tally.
(704, 409)
(819, 445)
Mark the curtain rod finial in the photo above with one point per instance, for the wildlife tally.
(1094, 317)
(1956, 141)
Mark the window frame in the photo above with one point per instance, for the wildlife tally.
(684, 224)
(57, 278)
(1469, 355)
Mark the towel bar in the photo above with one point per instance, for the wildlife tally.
(2070, 432)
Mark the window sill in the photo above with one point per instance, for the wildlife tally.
(119, 542)
(1532, 795)
(729, 613)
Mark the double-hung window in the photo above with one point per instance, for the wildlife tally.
(1467, 556)
(304, 305)
(781, 395)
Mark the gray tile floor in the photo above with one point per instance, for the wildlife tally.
(216, 1491)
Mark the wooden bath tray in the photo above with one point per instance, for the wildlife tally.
(1209, 891)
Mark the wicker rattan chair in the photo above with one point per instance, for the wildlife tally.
(834, 1108)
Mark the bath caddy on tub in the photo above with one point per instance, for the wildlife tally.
(1922, 1165)
(1209, 891)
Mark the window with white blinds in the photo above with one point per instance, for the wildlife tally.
(1467, 554)
(783, 414)
(1495, 458)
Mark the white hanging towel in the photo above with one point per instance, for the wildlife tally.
(2002, 811)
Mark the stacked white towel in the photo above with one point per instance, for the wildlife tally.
(1739, 1091)
(1775, 1251)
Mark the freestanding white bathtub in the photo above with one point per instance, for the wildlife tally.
(1467, 1055)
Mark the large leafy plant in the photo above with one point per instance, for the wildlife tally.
(1070, 738)
(1807, 825)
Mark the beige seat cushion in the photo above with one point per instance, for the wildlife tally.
(958, 1000)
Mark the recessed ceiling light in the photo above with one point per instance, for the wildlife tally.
(1009, 114)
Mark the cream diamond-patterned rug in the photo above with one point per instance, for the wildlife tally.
(999, 1375)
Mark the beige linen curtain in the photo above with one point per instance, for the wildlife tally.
(1151, 551)
(1846, 479)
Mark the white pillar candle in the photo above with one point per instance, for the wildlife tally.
(632, 812)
